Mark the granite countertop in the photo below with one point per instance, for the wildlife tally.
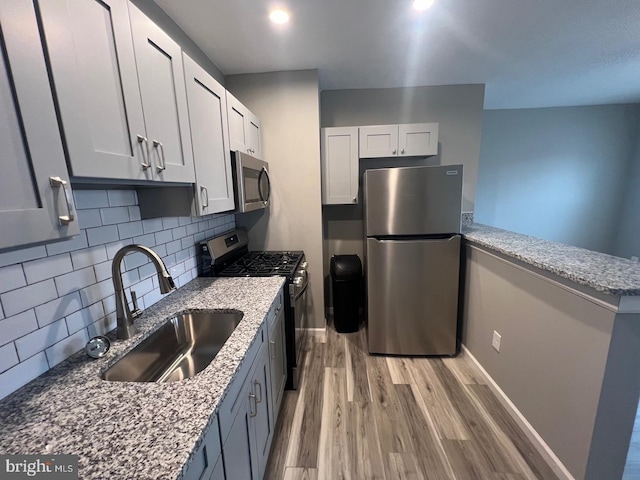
(604, 273)
(125, 430)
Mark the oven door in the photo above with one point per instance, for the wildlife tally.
(299, 313)
(252, 183)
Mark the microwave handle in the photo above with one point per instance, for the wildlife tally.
(265, 172)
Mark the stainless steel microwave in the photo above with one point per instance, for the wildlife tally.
(251, 180)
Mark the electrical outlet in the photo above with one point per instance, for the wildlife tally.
(495, 343)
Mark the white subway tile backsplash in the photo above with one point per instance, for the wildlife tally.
(134, 213)
(170, 222)
(163, 237)
(41, 339)
(89, 218)
(58, 308)
(67, 347)
(73, 281)
(69, 245)
(122, 198)
(17, 326)
(24, 298)
(8, 357)
(102, 235)
(152, 225)
(97, 292)
(114, 215)
(91, 199)
(48, 267)
(56, 296)
(11, 277)
(23, 373)
(23, 255)
(130, 229)
(88, 256)
(85, 317)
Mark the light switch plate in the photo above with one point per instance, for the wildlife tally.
(495, 343)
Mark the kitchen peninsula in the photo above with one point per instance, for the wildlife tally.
(568, 356)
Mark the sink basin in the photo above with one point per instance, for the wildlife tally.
(179, 349)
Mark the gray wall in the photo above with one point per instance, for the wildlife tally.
(288, 106)
(628, 241)
(458, 109)
(160, 18)
(557, 173)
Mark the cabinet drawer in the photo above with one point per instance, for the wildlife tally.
(232, 401)
(206, 456)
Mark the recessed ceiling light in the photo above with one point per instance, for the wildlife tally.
(279, 16)
(422, 4)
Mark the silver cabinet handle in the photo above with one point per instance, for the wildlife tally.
(259, 385)
(394, 151)
(143, 164)
(253, 412)
(205, 191)
(402, 151)
(272, 352)
(355, 199)
(70, 216)
(163, 163)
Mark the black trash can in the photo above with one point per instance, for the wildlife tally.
(346, 283)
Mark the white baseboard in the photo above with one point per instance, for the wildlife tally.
(541, 446)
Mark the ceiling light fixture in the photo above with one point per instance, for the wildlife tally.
(279, 16)
(422, 4)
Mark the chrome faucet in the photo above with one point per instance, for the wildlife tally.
(126, 329)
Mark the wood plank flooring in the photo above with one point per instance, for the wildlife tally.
(357, 416)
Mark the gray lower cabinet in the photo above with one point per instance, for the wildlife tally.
(206, 463)
(277, 359)
(36, 204)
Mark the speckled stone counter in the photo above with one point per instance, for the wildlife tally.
(135, 430)
(602, 272)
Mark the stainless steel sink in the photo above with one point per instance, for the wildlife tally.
(179, 349)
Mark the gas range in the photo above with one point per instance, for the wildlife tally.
(228, 255)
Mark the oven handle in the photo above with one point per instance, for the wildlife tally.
(304, 288)
(265, 172)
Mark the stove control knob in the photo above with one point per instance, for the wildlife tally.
(304, 265)
(297, 281)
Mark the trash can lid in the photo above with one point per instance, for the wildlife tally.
(345, 267)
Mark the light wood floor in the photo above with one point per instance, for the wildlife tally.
(357, 416)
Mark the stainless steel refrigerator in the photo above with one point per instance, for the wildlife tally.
(412, 259)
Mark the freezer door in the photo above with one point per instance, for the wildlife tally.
(412, 296)
(413, 200)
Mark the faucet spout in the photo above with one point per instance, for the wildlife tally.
(126, 328)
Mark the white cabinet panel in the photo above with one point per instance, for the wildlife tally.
(378, 141)
(32, 209)
(94, 72)
(209, 136)
(418, 139)
(164, 99)
(244, 128)
(340, 165)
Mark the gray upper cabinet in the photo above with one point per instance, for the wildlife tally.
(36, 204)
(94, 72)
(210, 139)
(244, 128)
(164, 99)
(408, 140)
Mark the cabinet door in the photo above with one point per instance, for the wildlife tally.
(339, 165)
(278, 361)
(263, 420)
(94, 72)
(418, 139)
(164, 99)
(209, 135)
(379, 141)
(253, 135)
(30, 206)
(238, 451)
(218, 471)
(204, 460)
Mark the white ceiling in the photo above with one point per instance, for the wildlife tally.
(529, 53)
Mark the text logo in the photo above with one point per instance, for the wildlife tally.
(49, 467)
